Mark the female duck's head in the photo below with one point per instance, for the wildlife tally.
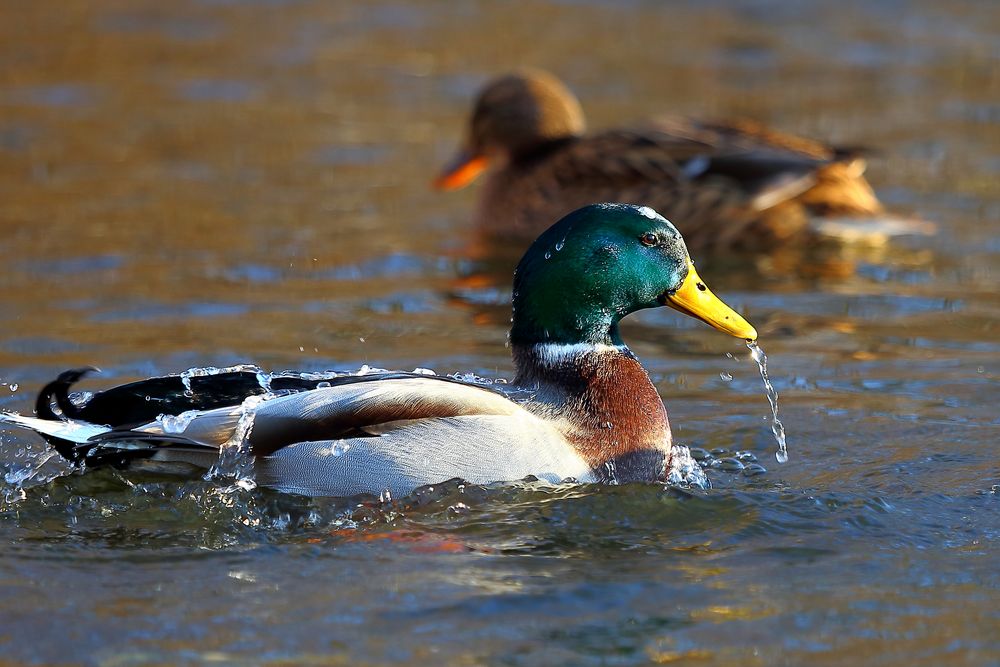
(600, 263)
(514, 115)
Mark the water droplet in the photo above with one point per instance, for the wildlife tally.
(753, 470)
(607, 425)
(726, 377)
(335, 449)
(548, 254)
(730, 465)
(560, 245)
(176, 423)
(699, 454)
(13, 387)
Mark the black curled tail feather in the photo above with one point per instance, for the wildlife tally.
(58, 389)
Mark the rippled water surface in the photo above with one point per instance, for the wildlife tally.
(208, 183)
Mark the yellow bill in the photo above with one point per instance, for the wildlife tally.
(695, 299)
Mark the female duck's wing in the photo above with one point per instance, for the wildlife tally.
(747, 134)
(715, 193)
(839, 187)
(753, 172)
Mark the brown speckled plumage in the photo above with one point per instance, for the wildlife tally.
(726, 185)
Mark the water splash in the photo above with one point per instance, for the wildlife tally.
(684, 471)
(369, 370)
(612, 473)
(28, 468)
(236, 461)
(757, 352)
(263, 378)
(472, 378)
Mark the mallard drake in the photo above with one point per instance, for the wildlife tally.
(581, 405)
(729, 185)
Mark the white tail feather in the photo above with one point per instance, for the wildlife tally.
(78, 432)
(875, 230)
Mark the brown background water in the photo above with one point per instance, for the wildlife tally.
(210, 182)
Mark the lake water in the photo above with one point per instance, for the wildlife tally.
(210, 182)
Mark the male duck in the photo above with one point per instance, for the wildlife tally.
(592, 411)
(730, 185)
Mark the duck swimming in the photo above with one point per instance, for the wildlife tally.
(591, 411)
(730, 185)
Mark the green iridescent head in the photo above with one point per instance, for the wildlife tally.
(600, 263)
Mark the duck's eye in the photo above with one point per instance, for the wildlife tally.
(648, 239)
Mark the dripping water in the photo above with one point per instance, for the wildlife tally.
(777, 427)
